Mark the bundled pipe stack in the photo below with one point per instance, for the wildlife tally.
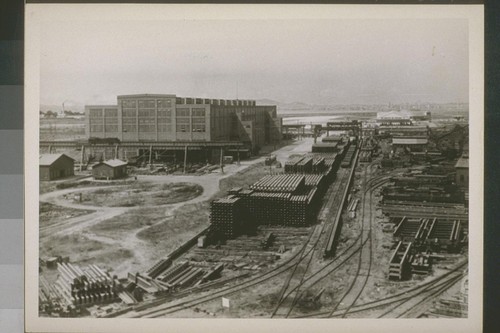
(84, 287)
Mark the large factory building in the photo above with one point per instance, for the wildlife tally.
(168, 118)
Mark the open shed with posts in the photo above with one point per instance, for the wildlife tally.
(110, 169)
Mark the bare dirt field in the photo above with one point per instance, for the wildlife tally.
(52, 214)
(142, 194)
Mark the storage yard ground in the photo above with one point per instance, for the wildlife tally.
(120, 227)
(128, 227)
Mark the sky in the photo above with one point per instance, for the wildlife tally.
(312, 61)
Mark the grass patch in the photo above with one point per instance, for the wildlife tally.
(186, 221)
(143, 194)
(122, 225)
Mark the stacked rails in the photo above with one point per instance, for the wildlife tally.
(333, 138)
(159, 267)
(291, 164)
(269, 207)
(302, 208)
(84, 288)
(423, 194)
(305, 165)
(302, 164)
(320, 182)
(318, 164)
(351, 152)
(407, 229)
(327, 164)
(422, 180)
(146, 283)
(322, 147)
(427, 209)
(288, 183)
(399, 263)
(227, 216)
(445, 234)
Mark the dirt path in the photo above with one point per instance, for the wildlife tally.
(141, 248)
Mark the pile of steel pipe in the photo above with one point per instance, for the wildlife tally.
(84, 287)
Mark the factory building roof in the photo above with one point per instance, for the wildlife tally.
(113, 163)
(49, 159)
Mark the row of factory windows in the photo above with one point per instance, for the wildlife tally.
(166, 127)
(163, 113)
(147, 121)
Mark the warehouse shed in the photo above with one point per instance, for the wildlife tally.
(110, 169)
(55, 166)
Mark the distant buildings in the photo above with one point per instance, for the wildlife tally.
(55, 166)
(168, 118)
(402, 118)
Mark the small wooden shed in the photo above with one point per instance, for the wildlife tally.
(55, 166)
(110, 169)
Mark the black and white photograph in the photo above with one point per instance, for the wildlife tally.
(215, 162)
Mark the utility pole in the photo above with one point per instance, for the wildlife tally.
(185, 157)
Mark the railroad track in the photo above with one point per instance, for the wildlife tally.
(306, 252)
(427, 290)
(308, 282)
(165, 309)
(365, 257)
(334, 201)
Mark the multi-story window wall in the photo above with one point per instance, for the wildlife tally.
(148, 117)
(164, 115)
